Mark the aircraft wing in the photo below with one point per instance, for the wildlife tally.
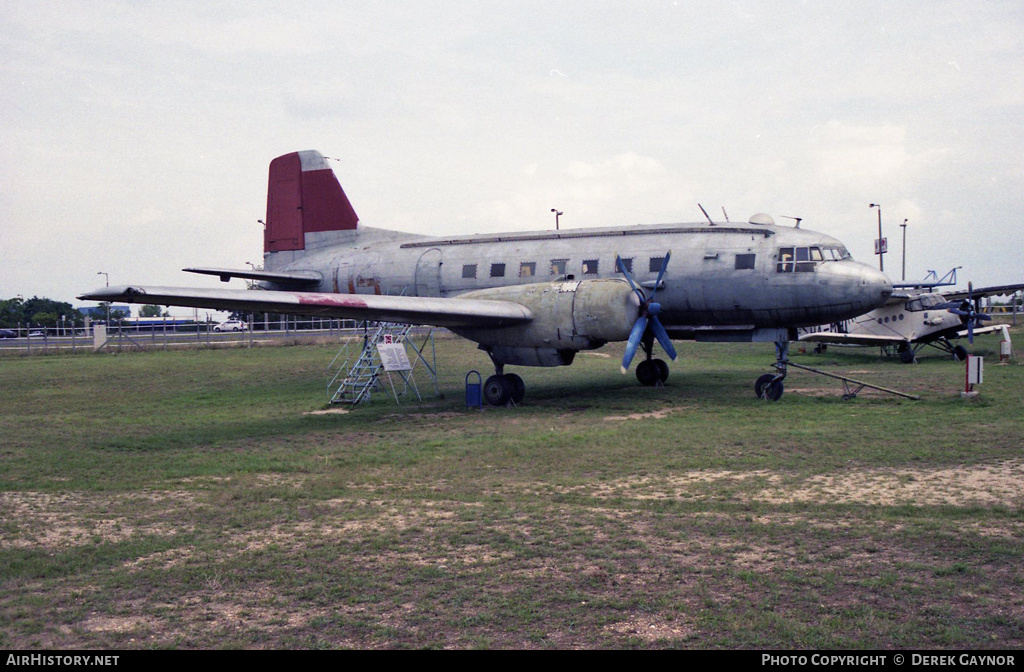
(979, 292)
(979, 330)
(853, 339)
(437, 312)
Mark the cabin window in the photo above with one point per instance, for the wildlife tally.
(590, 267)
(745, 262)
(469, 271)
(627, 264)
(527, 269)
(497, 270)
(656, 264)
(558, 266)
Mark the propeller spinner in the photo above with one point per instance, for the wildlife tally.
(969, 314)
(648, 318)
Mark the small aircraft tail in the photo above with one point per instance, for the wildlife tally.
(303, 197)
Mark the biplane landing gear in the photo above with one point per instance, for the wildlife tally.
(770, 385)
(907, 354)
(502, 388)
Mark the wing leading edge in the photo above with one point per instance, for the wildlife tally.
(436, 312)
(837, 338)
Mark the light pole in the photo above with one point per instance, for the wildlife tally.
(107, 275)
(557, 215)
(904, 227)
(881, 245)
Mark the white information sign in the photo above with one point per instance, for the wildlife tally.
(394, 357)
(99, 336)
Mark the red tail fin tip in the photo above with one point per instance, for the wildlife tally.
(304, 196)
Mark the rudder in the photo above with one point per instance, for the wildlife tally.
(303, 196)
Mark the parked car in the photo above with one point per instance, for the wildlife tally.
(36, 333)
(230, 325)
(8, 333)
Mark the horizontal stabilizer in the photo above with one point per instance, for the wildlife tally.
(295, 279)
(437, 312)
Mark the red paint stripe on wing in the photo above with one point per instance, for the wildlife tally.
(335, 300)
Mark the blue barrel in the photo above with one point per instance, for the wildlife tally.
(474, 391)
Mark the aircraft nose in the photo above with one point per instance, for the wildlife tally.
(876, 285)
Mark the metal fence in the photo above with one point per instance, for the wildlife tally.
(172, 333)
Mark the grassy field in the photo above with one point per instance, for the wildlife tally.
(193, 500)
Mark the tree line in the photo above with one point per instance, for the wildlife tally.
(42, 312)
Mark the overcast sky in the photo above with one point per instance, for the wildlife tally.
(135, 136)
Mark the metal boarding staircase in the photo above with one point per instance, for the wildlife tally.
(363, 375)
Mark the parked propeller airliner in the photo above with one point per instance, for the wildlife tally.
(915, 319)
(538, 298)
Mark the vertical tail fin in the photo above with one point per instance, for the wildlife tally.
(303, 196)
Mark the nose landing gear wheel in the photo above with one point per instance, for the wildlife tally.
(767, 387)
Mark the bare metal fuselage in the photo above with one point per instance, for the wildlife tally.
(724, 275)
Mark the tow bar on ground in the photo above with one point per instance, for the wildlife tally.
(849, 393)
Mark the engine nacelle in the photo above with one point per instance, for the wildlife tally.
(567, 317)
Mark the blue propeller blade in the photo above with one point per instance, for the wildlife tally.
(663, 339)
(629, 279)
(661, 273)
(634, 341)
(648, 316)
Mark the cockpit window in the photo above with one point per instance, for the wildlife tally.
(837, 253)
(924, 302)
(799, 259)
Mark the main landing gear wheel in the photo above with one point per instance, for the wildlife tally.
(501, 389)
(497, 391)
(907, 354)
(662, 368)
(651, 372)
(517, 388)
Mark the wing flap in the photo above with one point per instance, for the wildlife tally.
(437, 312)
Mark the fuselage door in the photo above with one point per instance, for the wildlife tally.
(428, 273)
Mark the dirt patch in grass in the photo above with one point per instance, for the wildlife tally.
(999, 484)
(661, 413)
(47, 520)
(651, 629)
